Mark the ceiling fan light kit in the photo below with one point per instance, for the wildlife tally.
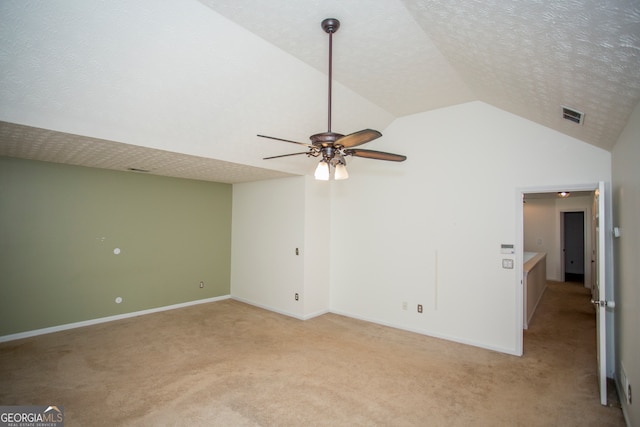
(322, 171)
(333, 147)
(341, 171)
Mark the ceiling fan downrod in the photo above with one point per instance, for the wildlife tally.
(330, 26)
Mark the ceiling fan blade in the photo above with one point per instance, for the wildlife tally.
(378, 155)
(285, 155)
(286, 140)
(358, 138)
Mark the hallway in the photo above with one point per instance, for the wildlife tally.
(563, 333)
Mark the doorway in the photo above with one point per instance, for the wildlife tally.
(598, 250)
(573, 246)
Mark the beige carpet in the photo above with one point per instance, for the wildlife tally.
(230, 364)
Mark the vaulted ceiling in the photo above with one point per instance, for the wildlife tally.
(526, 57)
(391, 58)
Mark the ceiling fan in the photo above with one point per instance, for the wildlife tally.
(334, 147)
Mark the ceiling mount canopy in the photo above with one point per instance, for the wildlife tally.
(330, 25)
(333, 147)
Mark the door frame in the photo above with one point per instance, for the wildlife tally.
(607, 234)
(519, 243)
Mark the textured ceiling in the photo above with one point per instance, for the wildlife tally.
(58, 147)
(379, 51)
(531, 57)
(526, 57)
(181, 84)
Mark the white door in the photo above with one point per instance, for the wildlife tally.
(599, 294)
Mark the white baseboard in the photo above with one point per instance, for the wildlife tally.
(59, 328)
(316, 314)
(505, 350)
(283, 312)
(266, 307)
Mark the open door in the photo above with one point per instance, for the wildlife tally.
(599, 293)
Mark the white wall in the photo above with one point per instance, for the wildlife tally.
(626, 211)
(316, 246)
(428, 231)
(270, 220)
(267, 227)
(540, 233)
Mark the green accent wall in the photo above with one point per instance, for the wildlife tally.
(60, 224)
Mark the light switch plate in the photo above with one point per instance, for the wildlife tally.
(507, 263)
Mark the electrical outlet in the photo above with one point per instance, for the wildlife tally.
(626, 386)
(296, 296)
(201, 284)
(419, 308)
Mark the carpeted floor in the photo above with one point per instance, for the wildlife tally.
(230, 364)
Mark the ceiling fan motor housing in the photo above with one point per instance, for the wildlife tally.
(325, 139)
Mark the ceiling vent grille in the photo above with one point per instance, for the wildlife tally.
(572, 115)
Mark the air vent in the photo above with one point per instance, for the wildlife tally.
(572, 114)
